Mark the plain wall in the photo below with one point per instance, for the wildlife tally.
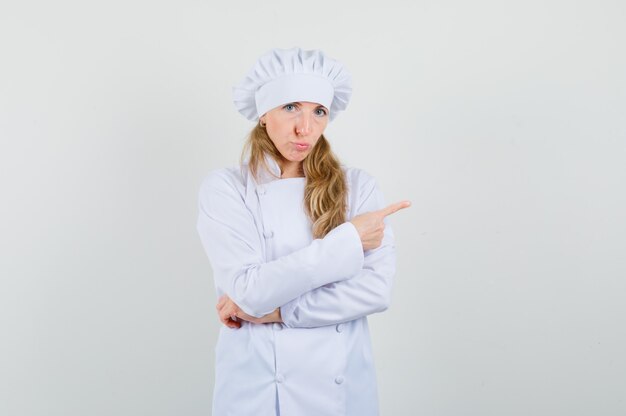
(503, 122)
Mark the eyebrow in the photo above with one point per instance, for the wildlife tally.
(300, 103)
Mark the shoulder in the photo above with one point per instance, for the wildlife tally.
(223, 178)
(223, 181)
(363, 192)
(358, 179)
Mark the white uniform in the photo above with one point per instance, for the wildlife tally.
(259, 242)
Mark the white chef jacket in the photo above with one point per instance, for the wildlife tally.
(258, 239)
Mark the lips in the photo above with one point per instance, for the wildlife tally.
(301, 146)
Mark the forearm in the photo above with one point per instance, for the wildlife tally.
(366, 293)
(261, 287)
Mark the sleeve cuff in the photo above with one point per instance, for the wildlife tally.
(289, 314)
(354, 247)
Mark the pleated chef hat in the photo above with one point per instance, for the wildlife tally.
(282, 76)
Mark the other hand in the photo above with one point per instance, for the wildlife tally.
(231, 315)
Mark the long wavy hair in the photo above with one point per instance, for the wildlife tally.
(326, 191)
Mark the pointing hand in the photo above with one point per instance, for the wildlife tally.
(371, 225)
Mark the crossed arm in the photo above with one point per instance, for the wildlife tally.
(341, 277)
(365, 293)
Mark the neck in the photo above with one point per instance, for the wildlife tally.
(291, 169)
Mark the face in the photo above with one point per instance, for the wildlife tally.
(294, 128)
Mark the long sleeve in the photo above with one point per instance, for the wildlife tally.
(231, 240)
(367, 292)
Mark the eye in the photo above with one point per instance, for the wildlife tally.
(289, 107)
(321, 111)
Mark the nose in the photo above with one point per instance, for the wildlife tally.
(303, 125)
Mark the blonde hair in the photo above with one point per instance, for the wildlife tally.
(325, 193)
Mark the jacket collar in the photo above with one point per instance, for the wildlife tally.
(270, 174)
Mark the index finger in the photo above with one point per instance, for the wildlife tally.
(394, 208)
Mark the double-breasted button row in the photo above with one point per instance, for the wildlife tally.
(339, 327)
(278, 326)
(280, 378)
(268, 233)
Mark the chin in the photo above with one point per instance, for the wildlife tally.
(297, 157)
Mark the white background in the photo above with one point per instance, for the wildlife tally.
(503, 122)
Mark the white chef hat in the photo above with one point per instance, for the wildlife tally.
(287, 75)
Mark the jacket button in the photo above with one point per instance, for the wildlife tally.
(277, 326)
(268, 234)
(339, 327)
(339, 380)
(279, 378)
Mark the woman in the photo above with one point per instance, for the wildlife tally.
(299, 250)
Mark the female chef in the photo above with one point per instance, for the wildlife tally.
(299, 249)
